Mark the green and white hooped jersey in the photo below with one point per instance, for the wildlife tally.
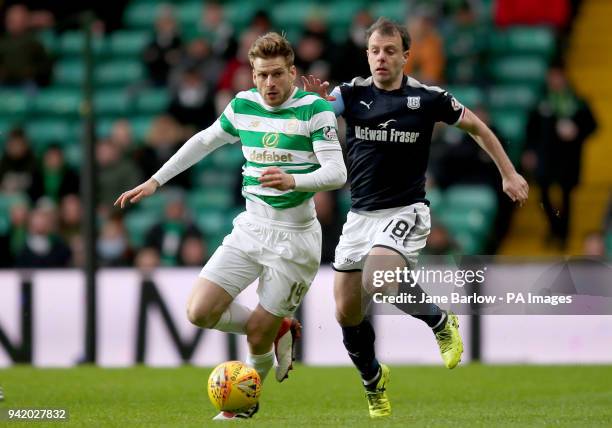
(286, 136)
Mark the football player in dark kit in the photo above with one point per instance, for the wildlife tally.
(390, 119)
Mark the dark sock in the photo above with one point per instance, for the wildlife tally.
(359, 342)
(429, 313)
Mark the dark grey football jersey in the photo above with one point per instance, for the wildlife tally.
(389, 137)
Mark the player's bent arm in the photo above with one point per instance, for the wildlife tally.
(194, 150)
(331, 175)
(514, 184)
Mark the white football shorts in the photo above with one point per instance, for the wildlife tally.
(403, 229)
(284, 257)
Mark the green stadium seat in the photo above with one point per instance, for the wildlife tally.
(14, 104)
(140, 127)
(470, 221)
(465, 197)
(73, 154)
(210, 198)
(470, 244)
(228, 158)
(49, 40)
(142, 13)
(519, 69)
(209, 176)
(72, 43)
(291, 15)
(153, 101)
(519, 97)
(128, 42)
(111, 102)
(340, 13)
(138, 223)
(511, 125)
(43, 132)
(119, 72)
(68, 72)
(189, 13)
(57, 102)
(240, 13)
(523, 40)
(469, 96)
(609, 244)
(211, 221)
(397, 10)
(435, 198)
(156, 202)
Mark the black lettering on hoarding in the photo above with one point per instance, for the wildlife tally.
(21, 352)
(151, 298)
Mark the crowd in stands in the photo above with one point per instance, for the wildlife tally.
(202, 70)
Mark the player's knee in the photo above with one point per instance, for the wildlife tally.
(347, 315)
(199, 316)
(258, 340)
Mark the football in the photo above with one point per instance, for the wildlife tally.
(234, 387)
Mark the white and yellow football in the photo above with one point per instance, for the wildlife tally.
(234, 387)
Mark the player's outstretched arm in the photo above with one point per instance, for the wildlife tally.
(137, 193)
(314, 84)
(513, 183)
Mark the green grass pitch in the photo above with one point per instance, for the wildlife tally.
(469, 396)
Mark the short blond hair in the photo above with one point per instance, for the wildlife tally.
(272, 45)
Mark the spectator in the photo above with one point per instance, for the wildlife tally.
(164, 51)
(147, 259)
(122, 136)
(23, 59)
(168, 236)
(193, 251)
(43, 248)
(199, 57)
(218, 30)
(54, 179)
(311, 53)
(70, 216)
(115, 172)
(426, 58)
(113, 248)
(556, 132)
(163, 139)
(18, 164)
(193, 102)
(19, 214)
(353, 50)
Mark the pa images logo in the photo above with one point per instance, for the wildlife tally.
(330, 134)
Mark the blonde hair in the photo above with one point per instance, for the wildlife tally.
(272, 45)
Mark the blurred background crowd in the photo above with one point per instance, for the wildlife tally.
(164, 70)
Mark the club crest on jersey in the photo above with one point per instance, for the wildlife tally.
(270, 140)
(413, 103)
(329, 133)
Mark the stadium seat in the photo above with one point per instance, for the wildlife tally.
(57, 102)
(519, 97)
(156, 202)
(73, 154)
(340, 13)
(152, 101)
(523, 40)
(138, 222)
(292, 14)
(609, 244)
(435, 198)
(140, 127)
(511, 125)
(470, 96)
(464, 197)
(119, 72)
(211, 221)
(68, 72)
(111, 102)
(14, 104)
(471, 221)
(519, 69)
(49, 40)
(128, 43)
(397, 10)
(228, 158)
(72, 43)
(141, 14)
(189, 13)
(43, 132)
(210, 198)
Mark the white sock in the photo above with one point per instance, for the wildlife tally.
(234, 319)
(262, 363)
